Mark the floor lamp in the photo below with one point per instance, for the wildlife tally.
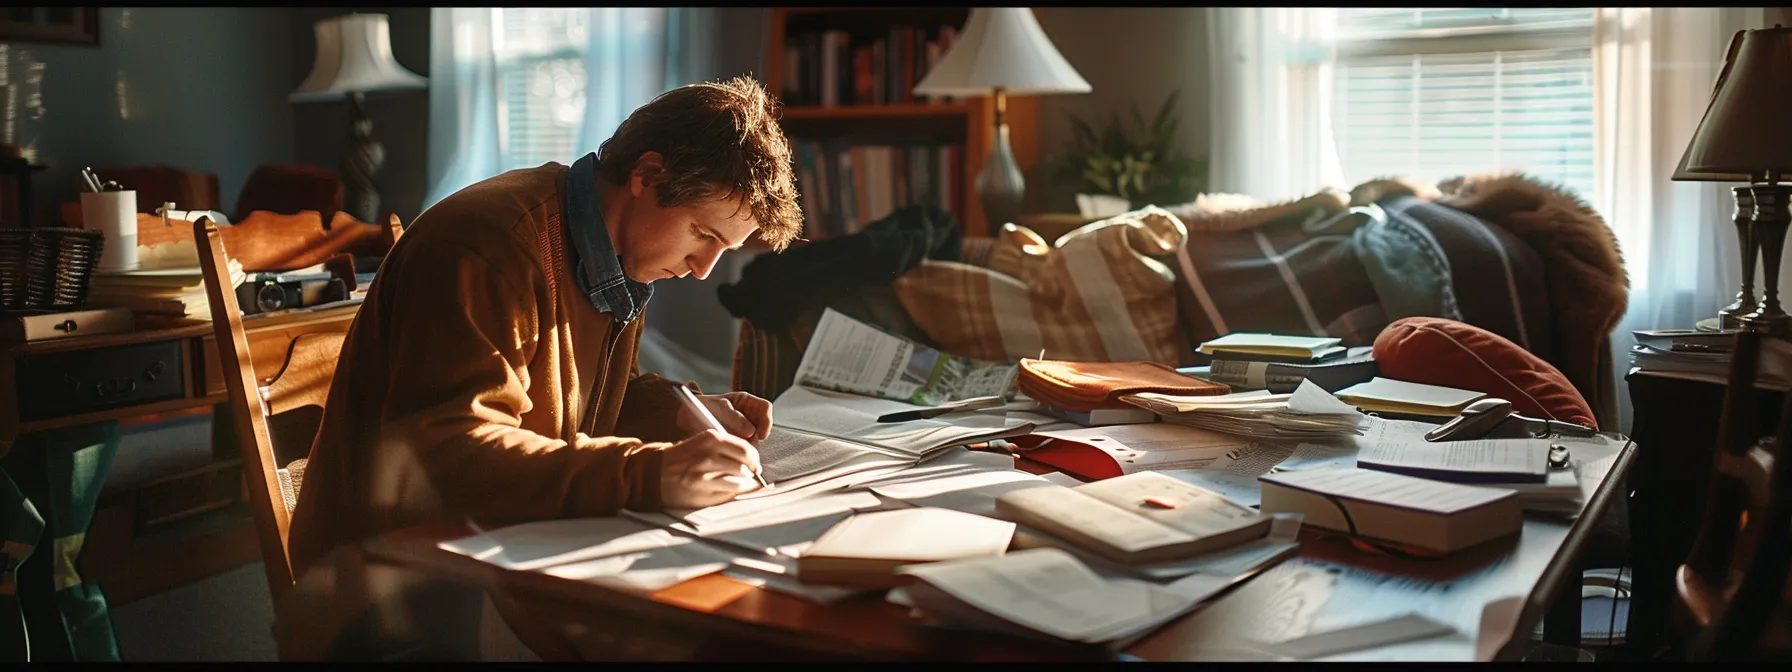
(1002, 51)
(354, 57)
(1744, 137)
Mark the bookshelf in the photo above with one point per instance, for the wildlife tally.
(882, 113)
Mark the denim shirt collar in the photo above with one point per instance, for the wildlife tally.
(596, 268)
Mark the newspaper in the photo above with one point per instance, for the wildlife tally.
(846, 355)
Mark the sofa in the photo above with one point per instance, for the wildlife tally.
(1512, 254)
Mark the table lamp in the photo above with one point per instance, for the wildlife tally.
(1002, 50)
(1744, 137)
(354, 57)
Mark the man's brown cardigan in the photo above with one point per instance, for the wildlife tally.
(477, 381)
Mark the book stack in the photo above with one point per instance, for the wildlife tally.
(1355, 366)
(1705, 356)
(1429, 515)
(169, 292)
(835, 67)
(847, 183)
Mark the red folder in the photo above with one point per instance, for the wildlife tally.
(1074, 457)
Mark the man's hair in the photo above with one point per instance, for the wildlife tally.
(718, 140)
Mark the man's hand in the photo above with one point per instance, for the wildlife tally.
(707, 469)
(742, 414)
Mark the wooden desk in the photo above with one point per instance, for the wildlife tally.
(115, 379)
(719, 618)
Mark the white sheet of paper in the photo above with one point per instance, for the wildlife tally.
(1309, 397)
(649, 570)
(545, 543)
(739, 515)
(1497, 456)
(610, 550)
(1406, 628)
(1319, 456)
(1391, 489)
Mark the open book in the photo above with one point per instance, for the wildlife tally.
(1136, 518)
(1047, 593)
(816, 430)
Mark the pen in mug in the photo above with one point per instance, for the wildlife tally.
(684, 393)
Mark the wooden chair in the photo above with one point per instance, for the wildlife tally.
(1732, 597)
(284, 413)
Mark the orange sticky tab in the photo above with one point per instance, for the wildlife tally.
(1160, 502)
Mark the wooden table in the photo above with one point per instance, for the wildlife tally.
(716, 617)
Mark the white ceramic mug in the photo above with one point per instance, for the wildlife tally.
(114, 215)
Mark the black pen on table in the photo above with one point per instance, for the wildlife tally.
(684, 394)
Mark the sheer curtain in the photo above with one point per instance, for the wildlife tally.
(1271, 93)
(1654, 69)
(488, 116)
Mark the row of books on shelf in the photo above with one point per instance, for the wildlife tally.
(846, 185)
(834, 67)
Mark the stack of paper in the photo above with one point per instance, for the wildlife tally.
(1308, 412)
(173, 292)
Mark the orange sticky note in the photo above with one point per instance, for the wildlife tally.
(1160, 502)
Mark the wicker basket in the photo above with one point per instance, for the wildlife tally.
(46, 270)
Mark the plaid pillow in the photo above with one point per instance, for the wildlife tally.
(1098, 296)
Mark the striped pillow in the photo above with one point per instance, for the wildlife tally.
(1098, 296)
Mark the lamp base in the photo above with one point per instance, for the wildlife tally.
(1771, 324)
(362, 157)
(1729, 318)
(1000, 186)
(1768, 229)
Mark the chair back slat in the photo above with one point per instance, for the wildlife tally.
(272, 518)
(1733, 583)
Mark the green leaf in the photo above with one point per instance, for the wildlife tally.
(1085, 136)
(1163, 113)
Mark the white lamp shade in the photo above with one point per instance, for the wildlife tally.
(354, 54)
(1001, 47)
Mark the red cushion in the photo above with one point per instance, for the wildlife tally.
(1436, 351)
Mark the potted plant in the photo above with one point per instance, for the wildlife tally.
(1137, 165)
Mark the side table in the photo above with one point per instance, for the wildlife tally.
(1675, 430)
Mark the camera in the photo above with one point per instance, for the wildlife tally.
(268, 292)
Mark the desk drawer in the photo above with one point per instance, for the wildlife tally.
(86, 381)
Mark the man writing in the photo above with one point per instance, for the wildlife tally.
(490, 374)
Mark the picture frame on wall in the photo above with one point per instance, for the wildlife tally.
(65, 25)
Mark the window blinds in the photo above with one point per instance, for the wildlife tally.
(1438, 92)
(541, 84)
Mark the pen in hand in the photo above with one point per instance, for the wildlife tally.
(689, 399)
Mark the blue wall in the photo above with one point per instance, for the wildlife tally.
(200, 88)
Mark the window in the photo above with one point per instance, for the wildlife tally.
(541, 83)
(1434, 92)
